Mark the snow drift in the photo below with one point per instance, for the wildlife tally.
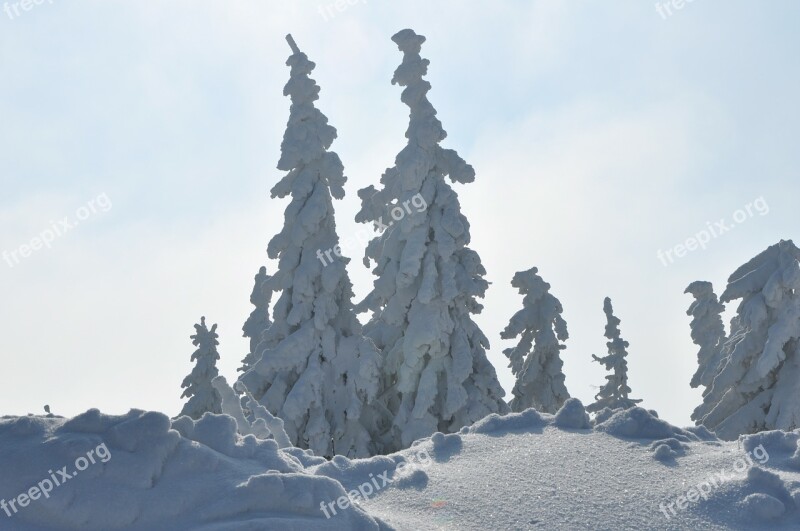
(160, 474)
(627, 469)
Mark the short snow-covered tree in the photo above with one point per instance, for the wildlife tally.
(437, 375)
(316, 370)
(614, 394)
(536, 360)
(758, 385)
(258, 321)
(202, 396)
(708, 331)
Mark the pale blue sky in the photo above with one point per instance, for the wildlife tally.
(600, 133)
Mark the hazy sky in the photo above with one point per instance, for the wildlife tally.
(601, 133)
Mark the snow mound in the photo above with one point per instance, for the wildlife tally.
(528, 420)
(350, 472)
(763, 506)
(638, 423)
(604, 414)
(702, 433)
(668, 449)
(139, 471)
(633, 423)
(782, 447)
(446, 446)
(572, 415)
(761, 499)
(769, 497)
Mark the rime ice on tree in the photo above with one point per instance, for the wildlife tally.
(614, 394)
(316, 370)
(258, 321)
(264, 425)
(437, 376)
(758, 385)
(708, 331)
(536, 361)
(202, 395)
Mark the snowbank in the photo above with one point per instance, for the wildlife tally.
(141, 471)
(528, 470)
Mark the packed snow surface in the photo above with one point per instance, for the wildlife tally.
(630, 470)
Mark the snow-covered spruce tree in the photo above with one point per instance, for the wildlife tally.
(316, 370)
(758, 385)
(198, 389)
(708, 332)
(536, 360)
(258, 321)
(437, 376)
(614, 394)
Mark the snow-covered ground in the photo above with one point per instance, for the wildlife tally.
(142, 471)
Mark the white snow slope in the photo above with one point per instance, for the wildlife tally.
(521, 471)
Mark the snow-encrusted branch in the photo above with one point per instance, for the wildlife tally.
(292, 44)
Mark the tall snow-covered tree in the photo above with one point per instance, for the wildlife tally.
(708, 331)
(316, 371)
(258, 321)
(198, 389)
(758, 385)
(437, 375)
(614, 394)
(536, 360)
